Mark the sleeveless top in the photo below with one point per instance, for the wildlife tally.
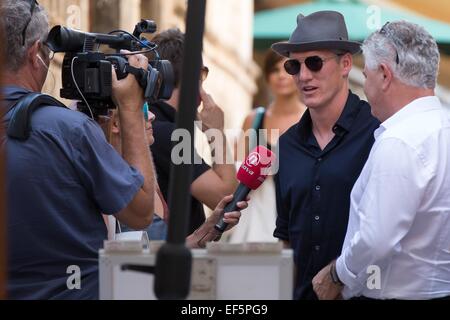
(257, 222)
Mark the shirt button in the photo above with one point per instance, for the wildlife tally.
(317, 248)
(317, 187)
(317, 218)
(319, 159)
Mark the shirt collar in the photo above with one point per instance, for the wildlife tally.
(166, 109)
(10, 95)
(10, 90)
(417, 106)
(348, 116)
(343, 124)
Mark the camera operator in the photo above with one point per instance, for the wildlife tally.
(65, 174)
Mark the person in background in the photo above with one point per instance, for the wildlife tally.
(258, 222)
(158, 229)
(209, 184)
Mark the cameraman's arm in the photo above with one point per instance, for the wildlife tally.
(129, 98)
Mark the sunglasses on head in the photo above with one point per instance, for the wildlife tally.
(313, 63)
(384, 31)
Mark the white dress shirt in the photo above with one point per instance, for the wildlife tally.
(400, 210)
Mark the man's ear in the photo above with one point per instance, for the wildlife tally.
(115, 126)
(347, 63)
(32, 54)
(386, 73)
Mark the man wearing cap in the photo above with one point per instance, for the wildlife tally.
(322, 156)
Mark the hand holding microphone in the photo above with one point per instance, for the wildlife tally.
(207, 231)
(251, 175)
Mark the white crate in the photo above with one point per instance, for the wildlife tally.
(216, 275)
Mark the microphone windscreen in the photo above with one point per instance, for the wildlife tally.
(256, 167)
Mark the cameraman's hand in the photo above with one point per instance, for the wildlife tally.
(127, 94)
(129, 98)
(212, 117)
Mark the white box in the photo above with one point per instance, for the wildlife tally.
(216, 275)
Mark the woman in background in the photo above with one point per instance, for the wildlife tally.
(257, 223)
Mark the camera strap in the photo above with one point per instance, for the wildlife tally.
(147, 79)
(19, 126)
(139, 73)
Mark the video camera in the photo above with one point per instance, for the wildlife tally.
(87, 72)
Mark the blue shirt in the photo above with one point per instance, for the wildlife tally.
(313, 188)
(59, 182)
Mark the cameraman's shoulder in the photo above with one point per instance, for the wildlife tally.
(60, 120)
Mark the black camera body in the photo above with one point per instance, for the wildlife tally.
(87, 72)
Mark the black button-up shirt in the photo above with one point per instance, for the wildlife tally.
(163, 127)
(313, 188)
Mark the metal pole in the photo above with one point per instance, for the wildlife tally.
(3, 237)
(173, 263)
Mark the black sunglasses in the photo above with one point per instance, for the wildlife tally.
(385, 33)
(33, 4)
(313, 63)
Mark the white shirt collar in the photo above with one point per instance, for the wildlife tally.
(419, 105)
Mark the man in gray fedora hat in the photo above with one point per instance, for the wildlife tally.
(322, 156)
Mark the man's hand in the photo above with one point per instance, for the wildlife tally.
(127, 94)
(324, 287)
(212, 117)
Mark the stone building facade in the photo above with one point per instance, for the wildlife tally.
(228, 49)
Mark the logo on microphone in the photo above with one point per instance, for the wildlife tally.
(253, 159)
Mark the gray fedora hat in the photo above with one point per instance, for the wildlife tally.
(322, 30)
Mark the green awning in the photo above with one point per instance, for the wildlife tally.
(277, 24)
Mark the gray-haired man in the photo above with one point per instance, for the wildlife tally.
(65, 174)
(398, 237)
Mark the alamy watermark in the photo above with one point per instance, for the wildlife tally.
(373, 282)
(221, 150)
(74, 280)
(73, 17)
(373, 21)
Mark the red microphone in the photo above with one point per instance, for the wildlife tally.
(251, 175)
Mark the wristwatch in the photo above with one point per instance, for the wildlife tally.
(334, 275)
(209, 236)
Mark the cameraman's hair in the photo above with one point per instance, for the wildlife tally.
(170, 47)
(15, 14)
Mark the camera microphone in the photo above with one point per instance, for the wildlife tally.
(251, 175)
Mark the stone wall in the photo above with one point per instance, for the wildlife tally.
(228, 49)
